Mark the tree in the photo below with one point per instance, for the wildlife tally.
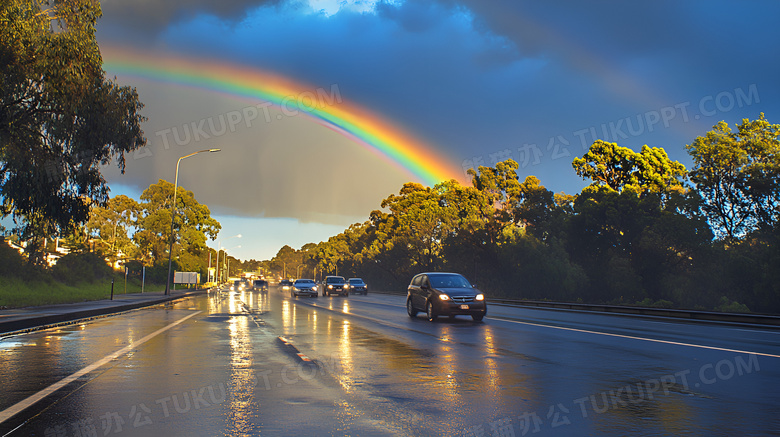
(501, 190)
(193, 224)
(618, 168)
(737, 176)
(285, 261)
(110, 224)
(60, 118)
(537, 209)
(418, 224)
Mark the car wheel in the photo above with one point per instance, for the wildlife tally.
(477, 317)
(410, 308)
(431, 312)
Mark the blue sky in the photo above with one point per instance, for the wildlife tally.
(479, 81)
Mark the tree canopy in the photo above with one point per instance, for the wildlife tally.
(620, 168)
(737, 176)
(193, 226)
(60, 117)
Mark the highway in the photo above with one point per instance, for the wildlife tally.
(251, 364)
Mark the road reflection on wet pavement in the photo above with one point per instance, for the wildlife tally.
(249, 363)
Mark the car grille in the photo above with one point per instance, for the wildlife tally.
(462, 299)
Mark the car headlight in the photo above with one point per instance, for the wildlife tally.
(330, 287)
(314, 288)
(296, 289)
(346, 285)
(480, 297)
(444, 297)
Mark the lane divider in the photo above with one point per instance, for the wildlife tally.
(32, 400)
(287, 343)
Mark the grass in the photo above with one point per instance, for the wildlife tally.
(16, 293)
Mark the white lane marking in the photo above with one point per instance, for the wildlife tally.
(593, 332)
(30, 401)
(630, 337)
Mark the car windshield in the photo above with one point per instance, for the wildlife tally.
(355, 281)
(304, 282)
(449, 281)
(335, 280)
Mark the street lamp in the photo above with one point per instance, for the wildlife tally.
(173, 213)
(220, 250)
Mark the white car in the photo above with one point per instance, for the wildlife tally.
(304, 287)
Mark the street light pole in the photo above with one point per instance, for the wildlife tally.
(220, 250)
(173, 213)
(227, 258)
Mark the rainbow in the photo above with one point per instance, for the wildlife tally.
(364, 128)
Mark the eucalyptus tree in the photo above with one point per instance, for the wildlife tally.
(60, 117)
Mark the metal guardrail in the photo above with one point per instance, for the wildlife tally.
(711, 316)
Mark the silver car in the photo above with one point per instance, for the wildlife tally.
(304, 287)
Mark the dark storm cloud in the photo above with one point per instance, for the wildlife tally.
(155, 15)
(477, 77)
(688, 42)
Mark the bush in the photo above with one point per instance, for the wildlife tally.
(729, 306)
(660, 303)
(75, 268)
(14, 265)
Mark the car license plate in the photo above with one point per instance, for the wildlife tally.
(464, 307)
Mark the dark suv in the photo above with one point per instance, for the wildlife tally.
(444, 294)
(357, 286)
(335, 285)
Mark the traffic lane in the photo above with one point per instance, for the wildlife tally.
(42, 360)
(736, 338)
(392, 378)
(536, 369)
(221, 373)
(31, 362)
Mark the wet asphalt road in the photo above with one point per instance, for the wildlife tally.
(215, 366)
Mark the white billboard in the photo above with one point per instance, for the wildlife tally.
(185, 277)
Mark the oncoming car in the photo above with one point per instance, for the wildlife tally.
(335, 285)
(444, 294)
(304, 287)
(260, 285)
(285, 284)
(357, 286)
